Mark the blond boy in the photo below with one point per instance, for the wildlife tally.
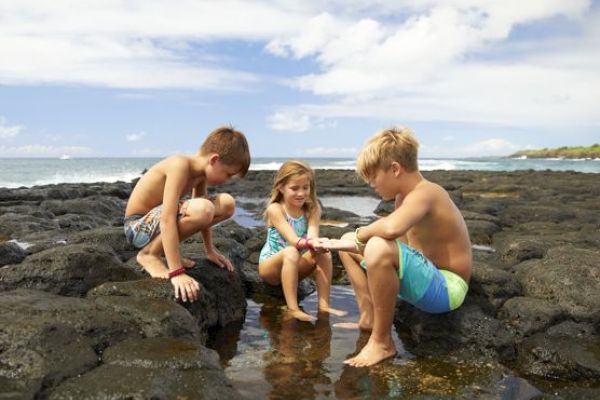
(421, 251)
(157, 219)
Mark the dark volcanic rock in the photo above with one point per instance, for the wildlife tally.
(567, 277)
(68, 270)
(11, 253)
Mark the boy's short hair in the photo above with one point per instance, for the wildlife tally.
(389, 145)
(231, 146)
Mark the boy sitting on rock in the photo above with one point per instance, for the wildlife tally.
(421, 251)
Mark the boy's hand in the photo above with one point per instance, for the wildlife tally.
(220, 260)
(340, 244)
(186, 288)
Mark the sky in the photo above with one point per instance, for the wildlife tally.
(301, 79)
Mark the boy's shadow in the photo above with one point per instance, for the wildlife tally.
(295, 365)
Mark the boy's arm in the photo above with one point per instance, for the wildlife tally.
(211, 253)
(175, 181)
(412, 208)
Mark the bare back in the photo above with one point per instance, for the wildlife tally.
(442, 235)
(150, 189)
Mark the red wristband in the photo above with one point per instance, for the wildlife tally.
(176, 272)
(298, 247)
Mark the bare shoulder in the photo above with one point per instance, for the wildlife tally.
(274, 209)
(177, 163)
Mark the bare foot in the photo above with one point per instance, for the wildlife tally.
(346, 325)
(372, 353)
(153, 265)
(301, 315)
(187, 263)
(334, 311)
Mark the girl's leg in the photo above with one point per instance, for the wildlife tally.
(358, 279)
(286, 268)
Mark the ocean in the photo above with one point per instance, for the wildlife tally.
(27, 172)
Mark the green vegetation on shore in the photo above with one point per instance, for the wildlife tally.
(592, 151)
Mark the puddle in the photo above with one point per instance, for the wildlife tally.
(270, 356)
(362, 206)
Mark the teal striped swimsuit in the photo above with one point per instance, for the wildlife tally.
(275, 242)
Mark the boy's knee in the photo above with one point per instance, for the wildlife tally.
(376, 250)
(348, 236)
(226, 204)
(201, 211)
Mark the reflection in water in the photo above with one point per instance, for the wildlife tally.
(294, 366)
(272, 356)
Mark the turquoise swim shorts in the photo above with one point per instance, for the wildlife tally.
(425, 286)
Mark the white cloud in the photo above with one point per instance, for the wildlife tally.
(133, 44)
(454, 61)
(491, 147)
(39, 150)
(134, 137)
(9, 131)
(287, 121)
(329, 151)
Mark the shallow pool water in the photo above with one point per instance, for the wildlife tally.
(273, 356)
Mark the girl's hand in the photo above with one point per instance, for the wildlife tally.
(220, 260)
(317, 245)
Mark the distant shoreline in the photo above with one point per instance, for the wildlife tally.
(580, 152)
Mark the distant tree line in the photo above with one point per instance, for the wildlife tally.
(592, 151)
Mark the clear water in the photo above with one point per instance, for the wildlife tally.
(17, 172)
(276, 357)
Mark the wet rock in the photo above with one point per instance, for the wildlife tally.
(154, 368)
(493, 285)
(111, 236)
(568, 351)
(11, 253)
(529, 315)
(466, 328)
(69, 270)
(568, 277)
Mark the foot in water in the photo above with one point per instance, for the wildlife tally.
(301, 315)
(334, 311)
(364, 324)
(372, 353)
(153, 265)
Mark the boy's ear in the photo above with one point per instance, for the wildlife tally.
(213, 158)
(396, 168)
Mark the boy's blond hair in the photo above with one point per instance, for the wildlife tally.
(231, 146)
(289, 170)
(389, 145)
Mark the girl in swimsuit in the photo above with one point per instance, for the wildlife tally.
(292, 250)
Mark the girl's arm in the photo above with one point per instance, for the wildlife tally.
(314, 219)
(276, 217)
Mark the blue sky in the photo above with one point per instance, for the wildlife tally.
(301, 79)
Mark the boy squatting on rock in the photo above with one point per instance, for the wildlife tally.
(421, 251)
(157, 219)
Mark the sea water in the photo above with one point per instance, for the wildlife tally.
(27, 172)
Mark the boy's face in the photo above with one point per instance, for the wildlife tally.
(218, 172)
(382, 181)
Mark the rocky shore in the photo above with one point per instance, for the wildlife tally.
(78, 319)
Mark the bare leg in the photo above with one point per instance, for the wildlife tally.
(381, 256)
(323, 274)
(287, 268)
(358, 279)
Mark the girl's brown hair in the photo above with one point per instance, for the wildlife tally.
(289, 170)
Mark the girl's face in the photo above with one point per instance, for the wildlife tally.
(296, 191)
